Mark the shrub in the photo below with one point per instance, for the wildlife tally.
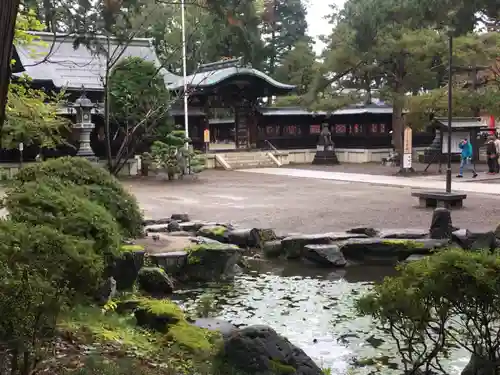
(30, 306)
(447, 300)
(66, 210)
(64, 260)
(102, 187)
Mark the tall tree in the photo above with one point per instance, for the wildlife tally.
(8, 14)
(284, 24)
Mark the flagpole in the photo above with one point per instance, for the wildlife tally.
(184, 73)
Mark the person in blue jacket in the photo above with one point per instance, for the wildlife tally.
(466, 158)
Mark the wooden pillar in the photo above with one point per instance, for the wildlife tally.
(8, 15)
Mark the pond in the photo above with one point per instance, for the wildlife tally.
(314, 309)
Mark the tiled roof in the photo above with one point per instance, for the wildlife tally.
(58, 61)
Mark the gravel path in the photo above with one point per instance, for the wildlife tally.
(303, 205)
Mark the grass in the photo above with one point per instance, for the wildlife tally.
(89, 324)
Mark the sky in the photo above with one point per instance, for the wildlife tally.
(316, 10)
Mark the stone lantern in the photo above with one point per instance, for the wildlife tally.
(84, 124)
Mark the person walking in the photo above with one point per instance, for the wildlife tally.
(497, 146)
(491, 155)
(466, 158)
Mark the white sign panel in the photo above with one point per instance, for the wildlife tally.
(456, 138)
(407, 161)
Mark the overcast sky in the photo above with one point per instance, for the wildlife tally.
(316, 10)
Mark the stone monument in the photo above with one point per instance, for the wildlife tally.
(84, 124)
(325, 149)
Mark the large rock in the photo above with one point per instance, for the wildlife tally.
(180, 217)
(388, 251)
(272, 249)
(225, 328)
(367, 231)
(479, 366)
(155, 281)
(475, 240)
(409, 233)
(441, 225)
(107, 290)
(156, 221)
(293, 246)
(324, 255)
(174, 226)
(260, 350)
(158, 315)
(214, 232)
(211, 262)
(126, 266)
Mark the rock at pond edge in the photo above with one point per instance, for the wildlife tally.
(155, 281)
(325, 255)
(272, 249)
(261, 350)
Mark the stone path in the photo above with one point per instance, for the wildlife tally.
(427, 183)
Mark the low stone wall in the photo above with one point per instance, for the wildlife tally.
(306, 156)
(9, 170)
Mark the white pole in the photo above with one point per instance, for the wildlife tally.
(184, 74)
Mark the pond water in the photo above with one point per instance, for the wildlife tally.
(314, 309)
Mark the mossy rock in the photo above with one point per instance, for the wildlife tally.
(409, 244)
(131, 248)
(497, 231)
(210, 262)
(215, 232)
(154, 281)
(158, 314)
(279, 368)
(126, 266)
(189, 337)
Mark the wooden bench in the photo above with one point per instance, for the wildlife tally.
(439, 199)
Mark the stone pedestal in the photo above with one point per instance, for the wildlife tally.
(325, 155)
(85, 150)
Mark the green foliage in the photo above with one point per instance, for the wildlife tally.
(31, 114)
(67, 211)
(101, 187)
(66, 261)
(446, 300)
(170, 155)
(138, 93)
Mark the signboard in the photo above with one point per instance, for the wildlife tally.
(456, 138)
(206, 136)
(407, 147)
(243, 114)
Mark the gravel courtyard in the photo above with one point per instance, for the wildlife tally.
(291, 204)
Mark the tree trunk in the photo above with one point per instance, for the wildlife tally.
(8, 15)
(272, 57)
(47, 11)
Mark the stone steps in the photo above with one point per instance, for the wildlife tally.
(245, 160)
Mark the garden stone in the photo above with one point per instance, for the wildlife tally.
(204, 240)
(388, 251)
(126, 267)
(475, 240)
(325, 255)
(243, 237)
(210, 262)
(174, 226)
(497, 231)
(180, 217)
(214, 232)
(367, 231)
(272, 249)
(154, 281)
(193, 226)
(441, 225)
(294, 245)
(260, 350)
(404, 233)
(107, 290)
(225, 328)
(171, 262)
(157, 228)
(148, 222)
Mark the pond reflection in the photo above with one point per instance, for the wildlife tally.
(313, 308)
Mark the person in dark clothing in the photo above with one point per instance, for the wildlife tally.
(492, 156)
